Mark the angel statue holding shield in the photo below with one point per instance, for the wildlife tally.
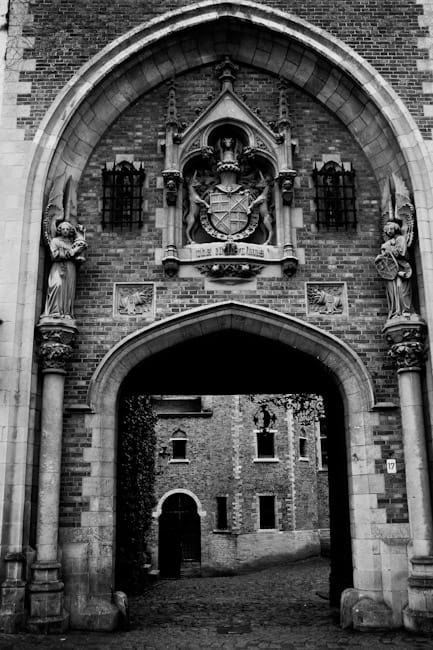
(393, 263)
(66, 242)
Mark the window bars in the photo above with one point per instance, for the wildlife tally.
(335, 196)
(122, 200)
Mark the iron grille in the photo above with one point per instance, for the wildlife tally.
(122, 200)
(335, 196)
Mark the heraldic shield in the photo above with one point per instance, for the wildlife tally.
(228, 212)
(387, 266)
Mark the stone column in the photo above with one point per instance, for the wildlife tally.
(406, 339)
(46, 589)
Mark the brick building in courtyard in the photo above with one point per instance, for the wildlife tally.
(234, 491)
(209, 198)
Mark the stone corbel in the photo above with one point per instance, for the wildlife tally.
(286, 180)
(172, 179)
(170, 261)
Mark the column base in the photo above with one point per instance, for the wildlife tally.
(47, 614)
(94, 613)
(12, 610)
(49, 624)
(418, 615)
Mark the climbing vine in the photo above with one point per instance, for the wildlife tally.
(135, 492)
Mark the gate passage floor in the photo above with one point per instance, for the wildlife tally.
(276, 607)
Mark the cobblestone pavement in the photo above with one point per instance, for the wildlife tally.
(275, 608)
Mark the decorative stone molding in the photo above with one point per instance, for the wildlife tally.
(328, 298)
(286, 180)
(170, 261)
(406, 340)
(172, 179)
(56, 338)
(134, 299)
(221, 271)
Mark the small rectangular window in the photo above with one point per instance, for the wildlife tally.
(335, 196)
(266, 512)
(323, 441)
(265, 444)
(303, 451)
(179, 449)
(122, 199)
(221, 514)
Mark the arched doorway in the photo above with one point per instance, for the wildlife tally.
(179, 536)
(230, 347)
(229, 361)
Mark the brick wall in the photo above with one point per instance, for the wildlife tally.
(68, 33)
(329, 256)
(210, 471)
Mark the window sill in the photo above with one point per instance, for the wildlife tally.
(222, 531)
(266, 460)
(304, 459)
(178, 461)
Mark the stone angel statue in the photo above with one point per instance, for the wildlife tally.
(65, 239)
(393, 263)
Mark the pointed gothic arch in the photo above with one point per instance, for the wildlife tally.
(348, 373)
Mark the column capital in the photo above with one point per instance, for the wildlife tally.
(56, 337)
(406, 337)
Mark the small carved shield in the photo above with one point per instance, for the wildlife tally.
(228, 212)
(386, 266)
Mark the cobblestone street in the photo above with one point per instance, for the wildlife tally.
(275, 608)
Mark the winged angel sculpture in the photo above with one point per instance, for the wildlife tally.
(393, 263)
(65, 239)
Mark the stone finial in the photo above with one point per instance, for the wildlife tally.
(406, 340)
(226, 73)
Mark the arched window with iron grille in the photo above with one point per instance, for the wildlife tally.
(335, 196)
(122, 199)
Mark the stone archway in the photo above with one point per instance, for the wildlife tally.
(347, 370)
(124, 70)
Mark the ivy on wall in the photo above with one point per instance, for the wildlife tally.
(135, 491)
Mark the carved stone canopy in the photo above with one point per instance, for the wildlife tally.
(229, 177)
